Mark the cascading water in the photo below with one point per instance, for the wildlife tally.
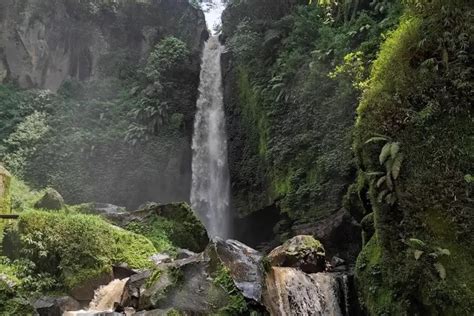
(210, 181)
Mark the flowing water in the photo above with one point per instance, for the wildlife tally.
(105, 299)
(291, 292)
(210, 188)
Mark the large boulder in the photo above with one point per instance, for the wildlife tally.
(227, 278)
(185, 230)
(340, 233)
(55, 306)
(245, 266)
(51, 200)
(187, 285)
(303, 252)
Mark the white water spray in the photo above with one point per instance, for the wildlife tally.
(210, 189)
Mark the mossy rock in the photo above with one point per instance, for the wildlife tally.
(76, 248)
(302, 251)
(177, 221)
(51, 200)
(5, 198)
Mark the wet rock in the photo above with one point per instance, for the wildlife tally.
(184, 253)
(339, 232)
(303, 252)
(55, 306)
(51, 200)
(134, 287)
(160, 258)
(85, 290)
(122, 271)
(245, 266)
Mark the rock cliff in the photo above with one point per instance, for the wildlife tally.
(44, 43)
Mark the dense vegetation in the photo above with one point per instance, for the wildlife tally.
(407, 68)
(298, 80)
(362, 105)
(108, 140)
(417, 168)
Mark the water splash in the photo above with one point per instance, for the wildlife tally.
(210, 191)
(105, 299)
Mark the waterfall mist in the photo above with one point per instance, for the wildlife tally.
(210, 191)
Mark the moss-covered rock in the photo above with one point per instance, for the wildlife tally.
(175, 222)
(5, 199)
(303, 252)
(51, 200)
(75, 248)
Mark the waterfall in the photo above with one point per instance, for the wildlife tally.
(210, 188)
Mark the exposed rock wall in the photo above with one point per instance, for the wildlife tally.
(43, 43)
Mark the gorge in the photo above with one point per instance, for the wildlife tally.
(236, 157)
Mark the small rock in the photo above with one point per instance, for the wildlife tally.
(303, 252)
(160, 258)
(55, 306)
(184, 253)
(51, 200)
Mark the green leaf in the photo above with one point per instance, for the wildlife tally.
(391, 198)
(396, 166)
(384, 153)
(377, 139)
(374, 174)
(441, 270)
(389, 182)
(382, 195)
(418, 254)
(394, 149)
(416, 243)
(443, 251)
(381, 181)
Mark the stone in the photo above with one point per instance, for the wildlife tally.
(51, 200)
(188, 232)
(45, 52)
(122, 271)
(134, 288)
(245, 266)
(303, 252)
(160, 258)
(55, 306)
(339, 232)
(184, 253)
(85, 290)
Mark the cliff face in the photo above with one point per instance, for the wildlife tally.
(43, 43)
(119, 128)
(288, 123)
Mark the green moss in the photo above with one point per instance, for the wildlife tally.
(55, 241)
(237, 304)
(376, 294)
(417, 96)
(5, 195)
(172, 225)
